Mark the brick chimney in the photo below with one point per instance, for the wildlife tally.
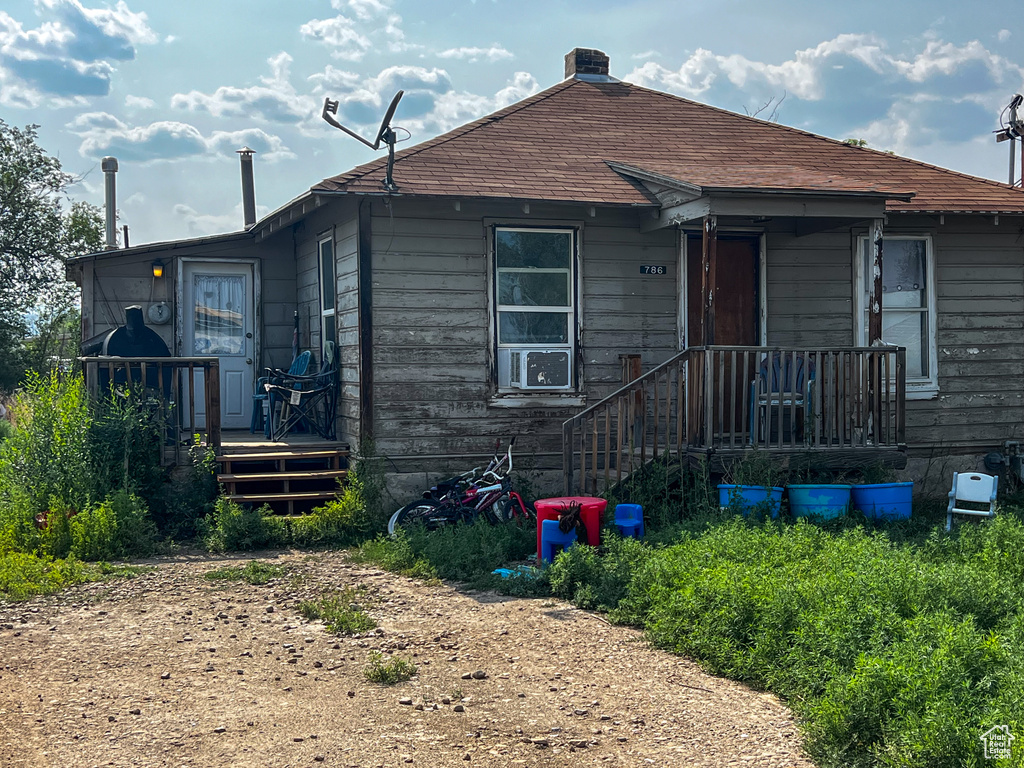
(585, 61)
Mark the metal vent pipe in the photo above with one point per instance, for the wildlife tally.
(109, 166)
(248, 186)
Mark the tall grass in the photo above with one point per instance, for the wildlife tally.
(895, 654)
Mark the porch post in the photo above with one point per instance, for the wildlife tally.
(875, 302)
(709, 279)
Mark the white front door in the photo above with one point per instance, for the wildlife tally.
(218, 312)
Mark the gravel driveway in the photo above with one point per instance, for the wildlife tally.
(169, 669)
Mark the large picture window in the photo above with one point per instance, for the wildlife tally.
(535, 308)
(328, 328)
(908, 304)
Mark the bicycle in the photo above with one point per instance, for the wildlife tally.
(480, 492)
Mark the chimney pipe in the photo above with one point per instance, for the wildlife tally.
(109, 166)
(248, 186)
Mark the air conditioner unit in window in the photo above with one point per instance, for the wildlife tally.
(531, 368)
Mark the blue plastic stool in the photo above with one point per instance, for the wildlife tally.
(551, 537)
(631, 517)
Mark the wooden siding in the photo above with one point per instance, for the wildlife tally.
(432, 324)
(338, 221)
(979, 273)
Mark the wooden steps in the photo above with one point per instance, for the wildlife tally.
(291, 479)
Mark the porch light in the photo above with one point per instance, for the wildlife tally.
(158, 268)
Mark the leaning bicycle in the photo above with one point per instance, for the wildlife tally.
(482, 492)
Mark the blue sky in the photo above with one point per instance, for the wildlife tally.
(174, 88)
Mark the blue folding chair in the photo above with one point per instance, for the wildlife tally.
(261, 398)
(784, 380)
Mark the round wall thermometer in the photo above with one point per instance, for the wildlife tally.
(159, 313)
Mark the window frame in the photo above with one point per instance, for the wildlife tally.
(922, 387)
(509, 395)
(332, 311)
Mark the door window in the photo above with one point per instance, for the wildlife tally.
(219, 314)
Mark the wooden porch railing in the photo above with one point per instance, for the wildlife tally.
(733, 399)
(174, 381)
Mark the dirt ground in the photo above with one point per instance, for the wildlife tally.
(170, 669)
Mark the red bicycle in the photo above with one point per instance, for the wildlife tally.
(481, 492)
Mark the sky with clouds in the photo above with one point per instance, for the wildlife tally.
(172, 89)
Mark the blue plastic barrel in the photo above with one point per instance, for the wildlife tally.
(825, 501)
(884, 501)
(750, 497)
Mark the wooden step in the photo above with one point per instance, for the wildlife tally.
(250, 498)
(312, 474)
(274, 455)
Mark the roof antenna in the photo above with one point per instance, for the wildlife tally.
(386, 134)
(1011, 131)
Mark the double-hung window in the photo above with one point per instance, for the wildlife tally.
(535, 308)
(908, 304)
(328, 329)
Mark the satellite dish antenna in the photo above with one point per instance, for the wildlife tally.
(385, 134)
(1011, 131)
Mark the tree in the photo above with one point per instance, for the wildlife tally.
(39, 230)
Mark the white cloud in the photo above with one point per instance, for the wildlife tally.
(340, 34)
(645, 55)
(372, 26)
(274, 100)
(939, 58)
(472, 54)
(201, 224)
(1004, 35)
(69, 55)
(104, 134)
(138, 102)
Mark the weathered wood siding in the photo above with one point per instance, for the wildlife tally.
(432, 324)
(339, 221)
(979, 273)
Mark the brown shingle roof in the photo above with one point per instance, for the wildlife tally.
(557, 146)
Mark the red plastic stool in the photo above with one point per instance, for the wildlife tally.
(592, 509)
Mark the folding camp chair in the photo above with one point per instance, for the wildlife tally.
(972, 488)
(306, 399)
(260, 398)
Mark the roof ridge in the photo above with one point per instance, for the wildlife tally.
(837, 142)
(362, 170)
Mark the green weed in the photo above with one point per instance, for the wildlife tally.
(380, 669)
(341, 613)
(254, 572)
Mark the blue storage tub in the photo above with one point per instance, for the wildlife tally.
(884, 501)
(825, 501)
(750, 497)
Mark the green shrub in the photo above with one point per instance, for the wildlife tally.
(117, 528)
(190, 495)
(462, 552)
(47, 455)
(341, 613)
(593, 580)
(394, 553)
(23, 575)
(235, 528)
(380, 669)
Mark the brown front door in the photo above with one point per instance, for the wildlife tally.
(736, 321)
(736, 300)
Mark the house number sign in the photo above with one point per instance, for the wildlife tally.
(653, 269)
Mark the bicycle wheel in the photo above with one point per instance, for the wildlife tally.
(520, 513)
(433, 515)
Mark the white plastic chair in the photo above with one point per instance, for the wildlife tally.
(973, 488)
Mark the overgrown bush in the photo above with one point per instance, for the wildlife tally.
(894, 654)
(593, 580)
(237, 528)
(116, 528)
(190, 495)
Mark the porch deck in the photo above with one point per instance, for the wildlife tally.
(832, 408)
